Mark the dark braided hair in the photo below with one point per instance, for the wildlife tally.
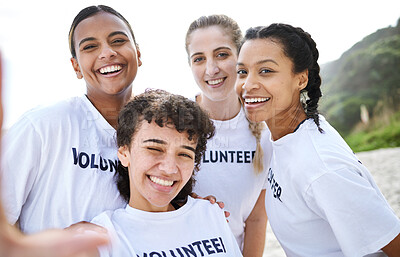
(301, 49)
(165, 109)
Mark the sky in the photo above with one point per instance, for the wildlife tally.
(34, 39)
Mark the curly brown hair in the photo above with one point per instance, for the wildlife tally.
(162, 107)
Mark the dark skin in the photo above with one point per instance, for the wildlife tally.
(271, 76)
(393, 248)
(105, 41)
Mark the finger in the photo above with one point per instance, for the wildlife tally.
(60, 243)
(227, 214)
(211, 198)
(221, 205)
(195, 196)
(83, 226)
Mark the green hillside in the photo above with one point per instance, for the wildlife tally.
(368, 74)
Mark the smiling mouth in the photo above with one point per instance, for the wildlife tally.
(110, 69)
(256, 100)
(161, 182)
(215, 82)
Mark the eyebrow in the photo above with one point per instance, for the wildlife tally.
(162, 142)
(111, 35)
(215, 50)
(86, 39)
(259, 62)
(117, 33)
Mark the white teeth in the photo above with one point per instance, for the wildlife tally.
(256, 99)
(215, 82)
(161, 182)
(109, 69)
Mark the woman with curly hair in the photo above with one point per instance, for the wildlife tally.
(162, 138)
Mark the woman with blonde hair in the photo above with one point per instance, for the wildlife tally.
(233, 167)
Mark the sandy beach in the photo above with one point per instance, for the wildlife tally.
(384, 165)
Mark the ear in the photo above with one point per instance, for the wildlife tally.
(303, 80)
(124, 155)
(77, 69)
(139, 55)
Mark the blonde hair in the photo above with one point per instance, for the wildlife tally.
(258, 159)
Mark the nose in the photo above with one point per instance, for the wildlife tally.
(107, 52)
(211, 67)
(248, 84)
(168, 165)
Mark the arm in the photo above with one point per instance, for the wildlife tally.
(393, 248)
(256, 225)
(54, 243)
(51, 243)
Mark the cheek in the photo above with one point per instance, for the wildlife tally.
(230, 67)
(238, 86)
(197, 72)
(187, 172)
(84, 65)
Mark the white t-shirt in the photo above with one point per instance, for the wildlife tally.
(321, 200)
(58, 166)
(227, 171)
(196, 229)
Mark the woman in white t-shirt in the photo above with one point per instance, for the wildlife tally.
(52, 243)
(320, 199)
(161, 139)
(68, 148)
(234, 166)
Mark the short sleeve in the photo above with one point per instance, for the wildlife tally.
(20, 162)
(104, 220)
(359, 216)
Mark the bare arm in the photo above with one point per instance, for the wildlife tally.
(393, 248)
(256, 225)
(50, 243)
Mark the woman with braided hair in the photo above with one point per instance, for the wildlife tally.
(233, 168)
(321, 200)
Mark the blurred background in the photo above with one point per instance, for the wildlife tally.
(358, 41)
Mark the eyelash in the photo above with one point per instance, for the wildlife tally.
(119, 40)
(266, 71)
(223, 55)
(115, 41)
(88, 47)
(198, 59)
(186, 155)
(182, 154)
(154, 149)
(241, 72)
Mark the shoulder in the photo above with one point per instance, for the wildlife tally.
(316, 153)
(330, 147)
(59, 110)
(107, 218)
(204, 208)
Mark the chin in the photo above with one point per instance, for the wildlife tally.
(255, 116)
(161, 202)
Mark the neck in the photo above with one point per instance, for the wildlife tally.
(220, 110)
(151, 208)
(286, 123)
(110, 106)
